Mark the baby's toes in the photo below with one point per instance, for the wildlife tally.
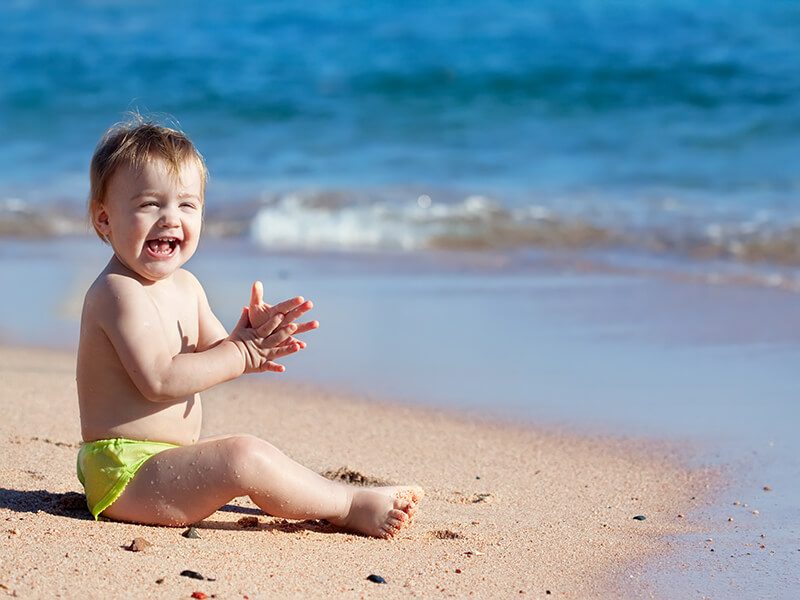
(387, 531)
(398, 515)
(405, 506)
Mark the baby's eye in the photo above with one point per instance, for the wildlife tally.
(148, 203)
(190, 205)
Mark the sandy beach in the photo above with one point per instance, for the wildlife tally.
(508, 511)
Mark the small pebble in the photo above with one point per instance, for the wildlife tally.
(767, 488)
(160, 580)
(477, 476)
(755, 512)
(639, 518)
(191, 533)
(458, 570)
(376, 579)
(547, 592)
(736, 503)
(195, 575)
(199, 595)
(138, 545)
(762, 546)
(680, 516)
(709, 539)
(730, 519)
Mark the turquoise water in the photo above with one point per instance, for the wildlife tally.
(666, 127)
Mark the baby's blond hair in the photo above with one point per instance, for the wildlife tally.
(135, 143)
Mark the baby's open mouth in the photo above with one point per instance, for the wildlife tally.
(163, 246)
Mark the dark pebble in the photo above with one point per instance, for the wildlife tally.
(477, 476)
(193, 575)
(376, 579)
(160, 580)
(547, 592)
(639, 518)
(191, 533)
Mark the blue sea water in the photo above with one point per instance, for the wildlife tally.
(655, 126)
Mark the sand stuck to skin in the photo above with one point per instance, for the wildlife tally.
(509, 511)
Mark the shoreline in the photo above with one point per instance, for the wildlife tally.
(509, 509)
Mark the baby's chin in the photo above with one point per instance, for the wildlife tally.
(153, 271)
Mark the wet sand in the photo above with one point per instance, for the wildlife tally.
(509, 511)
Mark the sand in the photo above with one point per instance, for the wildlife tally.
(510, 510)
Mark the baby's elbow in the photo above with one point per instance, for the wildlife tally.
(154, 390)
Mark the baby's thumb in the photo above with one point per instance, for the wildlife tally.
(244, 319)
(256, 294)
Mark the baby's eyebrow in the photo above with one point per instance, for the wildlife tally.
(153, 193)
(188, 195)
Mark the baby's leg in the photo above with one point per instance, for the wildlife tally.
(185, 485)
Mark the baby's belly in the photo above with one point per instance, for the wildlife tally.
(176, 423)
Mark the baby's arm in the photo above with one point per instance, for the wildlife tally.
(130, 320)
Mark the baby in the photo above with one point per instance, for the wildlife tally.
(149, 344)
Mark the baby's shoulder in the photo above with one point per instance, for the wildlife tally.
(108, 286)
(112, 292)
(187, 282)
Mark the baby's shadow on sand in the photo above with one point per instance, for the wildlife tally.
(69, 504)
(73, 505)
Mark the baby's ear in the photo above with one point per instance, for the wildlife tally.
(100, 217)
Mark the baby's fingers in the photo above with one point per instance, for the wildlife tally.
(290, 304)
(270, 326)
(257, 295)
(307, 326)
(274, 367)
(286, 349)
(280, 336)
(297, 312)
(293, 340)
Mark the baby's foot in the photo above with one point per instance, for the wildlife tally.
(380, 511)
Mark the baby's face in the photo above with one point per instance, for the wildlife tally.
(153, 218)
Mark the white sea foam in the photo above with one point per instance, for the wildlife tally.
(297, 222)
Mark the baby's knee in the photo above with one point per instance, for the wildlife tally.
(244, 450)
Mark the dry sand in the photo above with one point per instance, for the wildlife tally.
(509, 511)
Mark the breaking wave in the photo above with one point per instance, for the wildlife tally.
(353, 222)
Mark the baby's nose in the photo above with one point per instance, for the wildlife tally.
(169, 218)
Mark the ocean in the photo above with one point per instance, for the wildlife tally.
(666, 130)
(578, 213)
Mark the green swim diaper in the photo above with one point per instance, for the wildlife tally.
(106, 466)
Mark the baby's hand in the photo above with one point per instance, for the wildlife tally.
(261, 313)
(261, 346)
